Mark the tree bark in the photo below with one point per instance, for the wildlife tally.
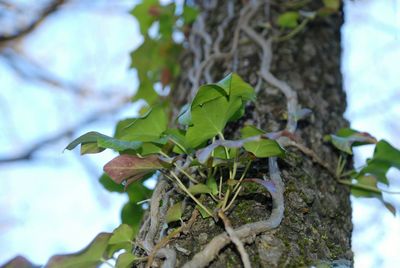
(316, 227)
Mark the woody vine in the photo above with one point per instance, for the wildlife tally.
(201, 172)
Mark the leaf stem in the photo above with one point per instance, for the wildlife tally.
(183, 187)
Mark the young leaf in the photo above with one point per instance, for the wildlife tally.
(203, 213)
(125, 260)
(91, 256)
(200, 189)
(264, 148)
(132, 168)
(346, 138)
(174, 213)
(288, 19)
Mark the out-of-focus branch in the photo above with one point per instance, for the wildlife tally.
(29, 153)
(48, 10)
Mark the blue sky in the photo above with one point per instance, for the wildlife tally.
(54, 204)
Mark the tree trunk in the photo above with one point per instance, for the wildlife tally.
(316, 227)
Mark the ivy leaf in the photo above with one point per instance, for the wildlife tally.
(269, 185)
(95, 142)
(121, 239)
(174, 213)
(385, 156)
(145, 14)
(234, 86)
(131, 214)
(346, 138)
(132, 168)
(288, 19)
(210, 119)
(19, 262)
(367, 186)
(185, 117)
(125, 260)
(200, 189)
(91, 256)
(189, 14)
(178, 138)
(250, 131)
(110, 185)
(264, 148)
(121, 234)
(145, 129)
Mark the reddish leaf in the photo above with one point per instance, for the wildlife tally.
(19, 262)
(132, 168)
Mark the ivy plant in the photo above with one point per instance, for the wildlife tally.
(364, 181)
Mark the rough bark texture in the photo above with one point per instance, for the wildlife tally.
(317, 222)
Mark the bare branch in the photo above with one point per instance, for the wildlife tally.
(48, 10)
(29, 153)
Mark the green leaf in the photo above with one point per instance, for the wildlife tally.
(174, 213)
(178, 138)
(121, 234)
(185, 117)
(94, 142)
(346, 138)
(132, 168)
(121, 239)
(125, 260)
(189, 14)
(264, 148)
(360, 187)
(250, 131)
(145, 15)
(212, 184)
(131, 214)
(210, 119)
(385, 156)
(332, 4)
(145, 129)
(288, 19)
(89, 257)
(367, 186)
(234, 86)
(200, 189)
(110, 185)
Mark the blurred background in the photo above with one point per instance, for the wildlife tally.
(69, 74)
